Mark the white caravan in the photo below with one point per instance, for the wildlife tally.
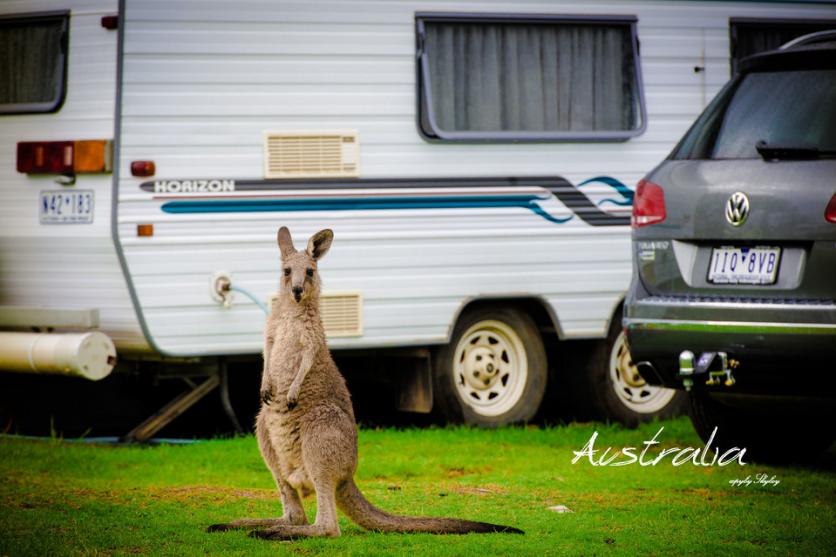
(476, 161)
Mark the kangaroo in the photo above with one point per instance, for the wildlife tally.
(305, 428)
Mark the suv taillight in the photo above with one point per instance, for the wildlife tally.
(648, 205)
(830, 210)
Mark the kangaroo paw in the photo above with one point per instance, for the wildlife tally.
(247, 524)
(293, 395)
(283, 532)
(275, 536)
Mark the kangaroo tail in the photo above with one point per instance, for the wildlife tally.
(358, 509)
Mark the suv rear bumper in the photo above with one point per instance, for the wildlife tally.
(784, 347)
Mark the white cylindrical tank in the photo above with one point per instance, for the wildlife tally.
(91, 355)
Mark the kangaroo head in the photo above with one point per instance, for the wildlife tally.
(299, 276)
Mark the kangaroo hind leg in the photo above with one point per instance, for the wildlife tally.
(326, 523)
(294, 512)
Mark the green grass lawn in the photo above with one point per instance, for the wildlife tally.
(60, 498)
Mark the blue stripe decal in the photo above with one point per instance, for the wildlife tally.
(361, 204)
(625, 192)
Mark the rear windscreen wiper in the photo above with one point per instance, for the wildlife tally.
(791, 152)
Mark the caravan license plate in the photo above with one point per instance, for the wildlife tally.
(733, 265)
(66, 207)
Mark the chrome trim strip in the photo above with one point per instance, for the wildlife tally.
(731, 326)
(658, 301)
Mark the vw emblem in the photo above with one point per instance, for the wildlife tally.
(737, 208)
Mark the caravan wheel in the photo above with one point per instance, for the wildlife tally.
(628, 384)
(493, 372)
(610, 387)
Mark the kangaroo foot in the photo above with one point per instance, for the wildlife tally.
(286, 532)
(248, 524)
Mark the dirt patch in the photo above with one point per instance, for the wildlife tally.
(458, 471)
(122, 550)
(73, 498)
(705, 492)
(208, 493)
(454, 472)
(482, 490)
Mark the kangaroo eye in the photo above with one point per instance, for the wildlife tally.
(287, 271)
(309, 272)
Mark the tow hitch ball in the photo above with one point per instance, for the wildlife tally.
(717, 365)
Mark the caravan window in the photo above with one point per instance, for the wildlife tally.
(537, 78)
(751, 36)
(33, 52)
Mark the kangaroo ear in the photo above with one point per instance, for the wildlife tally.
(285, 242)
(319, 243)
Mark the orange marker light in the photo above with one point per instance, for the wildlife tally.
(92, 156)
(144, 230)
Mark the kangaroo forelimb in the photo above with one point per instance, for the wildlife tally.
(296, 385)
(266, 389)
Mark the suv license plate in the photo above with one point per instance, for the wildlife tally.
(66, 207)
(734, 265)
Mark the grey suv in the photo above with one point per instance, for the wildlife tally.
(733, 294)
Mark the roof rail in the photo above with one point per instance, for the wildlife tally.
(810, 38)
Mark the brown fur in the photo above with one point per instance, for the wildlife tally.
(306, 429)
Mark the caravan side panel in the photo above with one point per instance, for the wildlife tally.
(204, 80)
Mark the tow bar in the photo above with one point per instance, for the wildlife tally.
(717, 365)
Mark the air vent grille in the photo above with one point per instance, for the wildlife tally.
(327, 154)
(342, 314)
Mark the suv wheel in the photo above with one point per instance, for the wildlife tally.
(493, 372)
(768, 436)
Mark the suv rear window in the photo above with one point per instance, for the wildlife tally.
(32, 62)
(781, 108)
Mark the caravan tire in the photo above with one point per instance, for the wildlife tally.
(612, 390)
(493, 372)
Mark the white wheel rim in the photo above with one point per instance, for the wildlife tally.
(631, 388)
(490, 368)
